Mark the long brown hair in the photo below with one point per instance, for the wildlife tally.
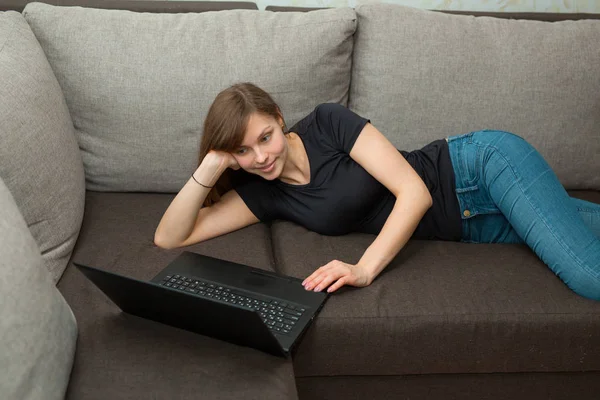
(226, 122)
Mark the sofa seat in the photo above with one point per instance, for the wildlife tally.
(120, 356)
(441, 308)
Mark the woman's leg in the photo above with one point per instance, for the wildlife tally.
(589, 213)
(495, 228)
(526, 191)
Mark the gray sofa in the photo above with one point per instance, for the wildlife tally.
(101, 113)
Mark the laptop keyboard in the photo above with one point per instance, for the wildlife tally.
(279, 316)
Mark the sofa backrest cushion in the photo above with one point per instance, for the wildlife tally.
(139, 85)
(422, 75)
(38, 331)
(40, 160)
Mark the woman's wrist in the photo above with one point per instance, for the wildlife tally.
(372, 266)
(208, 173)
(200, 183)
(206, 179)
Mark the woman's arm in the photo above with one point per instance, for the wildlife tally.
(185, 221)
(385, 163)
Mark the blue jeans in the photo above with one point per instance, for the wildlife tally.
(509, 194)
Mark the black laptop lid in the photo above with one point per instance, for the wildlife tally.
(228, 322)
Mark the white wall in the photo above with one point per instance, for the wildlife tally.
(568, 6)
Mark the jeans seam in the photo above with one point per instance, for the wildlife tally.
(588, 210)
(541, 217)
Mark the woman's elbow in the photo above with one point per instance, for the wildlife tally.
(160, 241)
(418, 195)
(427, 200)
(422, 196)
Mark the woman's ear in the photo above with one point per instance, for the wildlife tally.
(280, 120)
(281, 124)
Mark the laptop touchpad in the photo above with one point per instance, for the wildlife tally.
(258, 279)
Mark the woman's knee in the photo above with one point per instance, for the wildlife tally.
(584, 283)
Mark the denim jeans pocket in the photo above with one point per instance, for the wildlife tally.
(468, 160)
(475, 200)
(470, 165)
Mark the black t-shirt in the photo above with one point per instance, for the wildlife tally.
(342, 197)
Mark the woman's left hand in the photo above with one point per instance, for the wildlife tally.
(337, 274)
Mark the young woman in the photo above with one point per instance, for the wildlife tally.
(335, 173)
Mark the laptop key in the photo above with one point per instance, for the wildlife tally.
(272, 311)
(292, 313)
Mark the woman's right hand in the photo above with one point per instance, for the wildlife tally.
(222, 160)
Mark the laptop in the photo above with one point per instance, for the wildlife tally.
(217, 298)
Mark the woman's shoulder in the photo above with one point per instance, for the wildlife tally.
(326, 111)
(322, 113)
(329, 108)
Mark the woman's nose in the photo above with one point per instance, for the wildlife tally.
(260, 157)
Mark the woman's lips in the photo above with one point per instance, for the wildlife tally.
(268, 168)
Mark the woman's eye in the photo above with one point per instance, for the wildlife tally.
(241, 151)
(266, 137)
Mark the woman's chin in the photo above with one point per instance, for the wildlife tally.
(270, 176)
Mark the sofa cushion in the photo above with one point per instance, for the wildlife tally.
(39, 157)
(422, 75)
(37, 328)
(441, 307)
(515, 386)
(139, 85)
(120, 356)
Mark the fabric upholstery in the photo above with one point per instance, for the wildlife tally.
(421, 75)
(441, 307)
(520, 386)
(38, 331)
(163, 6)
(40, 160)
(537, 16)
(120, 356)
(139, 85)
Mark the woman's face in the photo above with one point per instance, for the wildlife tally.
(264, 149)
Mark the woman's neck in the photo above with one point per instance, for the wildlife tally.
(296, 170)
